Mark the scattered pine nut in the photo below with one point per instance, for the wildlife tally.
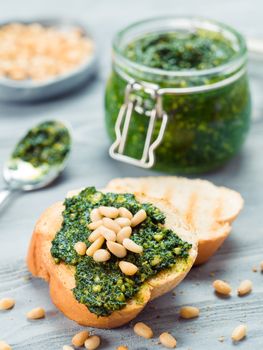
(125, 213)
(80, 248)
(7, 303)
(254, 269)
(167, 340)
(239, 332)
(4, 345)
(109, 212)
(222, 287)
(132, 246)
(95, 224)
(128, 268)
(123, 222)
(67, 347)
(79, 338)
(244, 288)
(95, 246)
(138, 218)
(101, 255)
(261, 266)
(117, 249)
(142, 330)
(111, 224)
(95, 215)
(122, 347)
(189, 312)
(125, 232)
(92, 342)
(36, 313)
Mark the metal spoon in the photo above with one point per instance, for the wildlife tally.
(21, 175)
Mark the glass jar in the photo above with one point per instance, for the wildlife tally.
(184, 121)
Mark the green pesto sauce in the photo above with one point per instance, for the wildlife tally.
(46, 144)
(178, 51)
(102, 287)
(204, 129)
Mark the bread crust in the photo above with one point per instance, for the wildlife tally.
(61, 276)
(208, 209)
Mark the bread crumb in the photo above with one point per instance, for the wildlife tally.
(27, 278)
(221, 339)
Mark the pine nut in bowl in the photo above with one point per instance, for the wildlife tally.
(32, 77)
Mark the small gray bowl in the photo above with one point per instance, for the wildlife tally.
(29, 90)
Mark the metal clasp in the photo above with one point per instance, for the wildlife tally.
(130, 105)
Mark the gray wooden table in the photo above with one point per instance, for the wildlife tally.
(90, 165)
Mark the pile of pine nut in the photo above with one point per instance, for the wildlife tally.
(113, 225)
(32, 51)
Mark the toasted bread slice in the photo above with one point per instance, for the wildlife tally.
(61, 276)
(207, 208)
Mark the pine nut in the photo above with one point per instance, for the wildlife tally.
(122, 347)
(36, 313)
(92, 342)
(138, 218)
(95, 246)
(95, 224)
(109, 212)
(79, 338)
(111, 224)
(189, 312)
(109, 235)
(125, 232)
(132, 246)
(245, 287)
(95, 234)
(125, 213)
(80, 248)
(122, 222)
(142, 330)
(4, 345)
(261, 266)
(95, 215)
(239, 332)
(6, 303)
(101, 255)
(67, 347)
(222, 287)
(117, 249)
(128, 268)
(168, 340)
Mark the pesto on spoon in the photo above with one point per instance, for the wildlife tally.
(38, 158)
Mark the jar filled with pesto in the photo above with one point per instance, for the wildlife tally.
(178, 98)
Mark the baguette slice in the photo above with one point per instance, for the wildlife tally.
(208, 209)
(61, 276)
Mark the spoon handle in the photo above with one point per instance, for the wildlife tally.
(4, 194)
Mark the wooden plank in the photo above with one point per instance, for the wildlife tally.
(90, 165)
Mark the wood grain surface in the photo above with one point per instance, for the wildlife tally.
(90, 165)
